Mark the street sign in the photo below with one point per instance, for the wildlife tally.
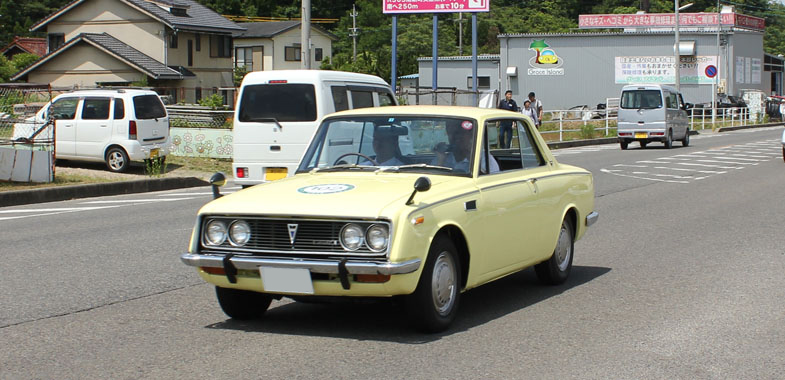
(711, 71)
(435, 6)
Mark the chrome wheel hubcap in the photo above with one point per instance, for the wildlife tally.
(443, 284)
(564, 248)
(116, 160)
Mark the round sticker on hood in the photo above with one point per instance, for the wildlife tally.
(467, 125)
(326, 189)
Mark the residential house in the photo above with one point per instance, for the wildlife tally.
(29, 45)
(178, 47)
(276, 45)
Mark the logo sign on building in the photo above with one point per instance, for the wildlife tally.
(654, 20)
(660, 69)
(545, 60)
(435, 6)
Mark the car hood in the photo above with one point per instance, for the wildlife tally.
(353, 195)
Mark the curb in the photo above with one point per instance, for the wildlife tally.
(63, 193)
(726, 129)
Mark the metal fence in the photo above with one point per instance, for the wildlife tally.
(26, 145)
(448, 96)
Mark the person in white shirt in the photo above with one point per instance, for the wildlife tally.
(385, 145)
(537, 105)
(529, 111)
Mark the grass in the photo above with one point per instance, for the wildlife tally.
(209, 165)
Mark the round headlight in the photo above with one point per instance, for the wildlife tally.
(239, 233)
(215, 232)
(351, 237)
(377, 237)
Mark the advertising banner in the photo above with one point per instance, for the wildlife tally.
(435, 6)
(660, 69)
(649, 20)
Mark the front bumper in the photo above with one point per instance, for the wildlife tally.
(315, 266)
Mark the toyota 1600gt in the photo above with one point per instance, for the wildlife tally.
(421, 203)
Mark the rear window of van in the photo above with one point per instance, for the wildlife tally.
(148, 107)
(284, 102)
(641, 99)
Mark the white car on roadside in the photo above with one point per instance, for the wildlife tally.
(112, 126)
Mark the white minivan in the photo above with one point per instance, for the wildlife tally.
(113, 126)
(278, 111)
(652, 112)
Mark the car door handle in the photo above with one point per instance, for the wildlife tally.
(103, 125)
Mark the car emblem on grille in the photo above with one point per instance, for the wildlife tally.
(292, 232)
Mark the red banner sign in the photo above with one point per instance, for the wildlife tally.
(435, 6)
(650, 20)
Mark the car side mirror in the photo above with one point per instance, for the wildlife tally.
(421, 184)
(217, 180)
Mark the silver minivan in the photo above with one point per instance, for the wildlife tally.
(652, 112)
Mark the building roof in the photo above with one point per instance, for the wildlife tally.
(30, 45)
(271, 29)
(118, 49)
(196, 17)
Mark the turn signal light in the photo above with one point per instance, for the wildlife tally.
(372, 277)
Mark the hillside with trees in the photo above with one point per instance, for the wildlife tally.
(414, 38)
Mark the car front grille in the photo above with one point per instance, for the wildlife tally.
(271, 235)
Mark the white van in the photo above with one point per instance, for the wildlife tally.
(277, 112)
(652, 112)
(113, 126)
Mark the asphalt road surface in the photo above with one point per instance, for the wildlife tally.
(683, 277)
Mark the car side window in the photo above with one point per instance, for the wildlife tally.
(119, 109)
(500, 145)
(362, 99)
(95, 109)
(386, 99)
(530, 152)
(64, 109)
(671, 101)
(340, 100)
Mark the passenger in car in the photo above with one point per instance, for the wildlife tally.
(457, 154)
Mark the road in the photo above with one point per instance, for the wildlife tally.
(681, 278)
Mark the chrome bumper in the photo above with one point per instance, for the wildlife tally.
(592, 218)
(315, 266)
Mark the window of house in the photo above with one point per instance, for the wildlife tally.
(55, 40)
(482, 82)
(173, 40)
(292, 53)
(190, 53)
(198, 93)
(243, 56)
(317, 54)
(198, 39)
(220, 46)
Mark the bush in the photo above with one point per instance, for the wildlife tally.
(214, 101)
(587, 132)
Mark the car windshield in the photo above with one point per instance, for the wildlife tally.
(641, 99)
(442, 145)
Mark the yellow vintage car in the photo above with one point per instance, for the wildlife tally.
(413, 201)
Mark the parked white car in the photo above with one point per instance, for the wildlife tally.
(112, 126)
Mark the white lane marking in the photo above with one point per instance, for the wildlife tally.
(122, 201)
(709, 166)
(51, 211)
(644, 178)
(632, 166)
(691, 170)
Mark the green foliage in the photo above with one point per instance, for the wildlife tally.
(214, 101)
(238, 75)
(142, 82)
(587, 131)
(16, 64)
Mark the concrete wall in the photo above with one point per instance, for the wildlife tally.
(455, 72)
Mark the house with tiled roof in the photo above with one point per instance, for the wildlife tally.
(179, 47)
(31, 45)
(276, 45)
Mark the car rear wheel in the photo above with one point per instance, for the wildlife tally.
(117, 160)
(555, 270)
(433, 305)
(623, 144)
(242, 304)
(643, 144)
(669, 140)
(686, 141)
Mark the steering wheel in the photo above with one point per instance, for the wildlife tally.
(356, 154)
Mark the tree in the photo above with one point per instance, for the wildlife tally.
(10, 67)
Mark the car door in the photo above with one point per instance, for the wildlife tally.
(93, 127)
(63, 111)
(510, 203)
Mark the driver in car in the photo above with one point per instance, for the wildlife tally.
(385, 145)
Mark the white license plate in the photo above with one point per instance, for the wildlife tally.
(286, 280)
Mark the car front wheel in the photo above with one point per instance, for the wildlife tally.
(623, 144)
(686, 141)
(669, 140)
(433, 305)
(555, 270)
(117, 160)
(242, 304)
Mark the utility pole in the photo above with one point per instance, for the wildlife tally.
(353, 32)
(305, 40)
(459, 20)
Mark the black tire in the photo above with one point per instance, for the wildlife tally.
(433, 305)
(643, 144)
(117, 160)
(242, 304)
(669, 140)
(623, 144)
(685, 142)
(556, 269)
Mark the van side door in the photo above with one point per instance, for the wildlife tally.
(94, 127)
(63, 111)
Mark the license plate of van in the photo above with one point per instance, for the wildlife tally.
(154, 152)
(272, 174)
(641, 135)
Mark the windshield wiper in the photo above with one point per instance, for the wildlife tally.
(342, 167)
(413, 166)
(266, 120)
